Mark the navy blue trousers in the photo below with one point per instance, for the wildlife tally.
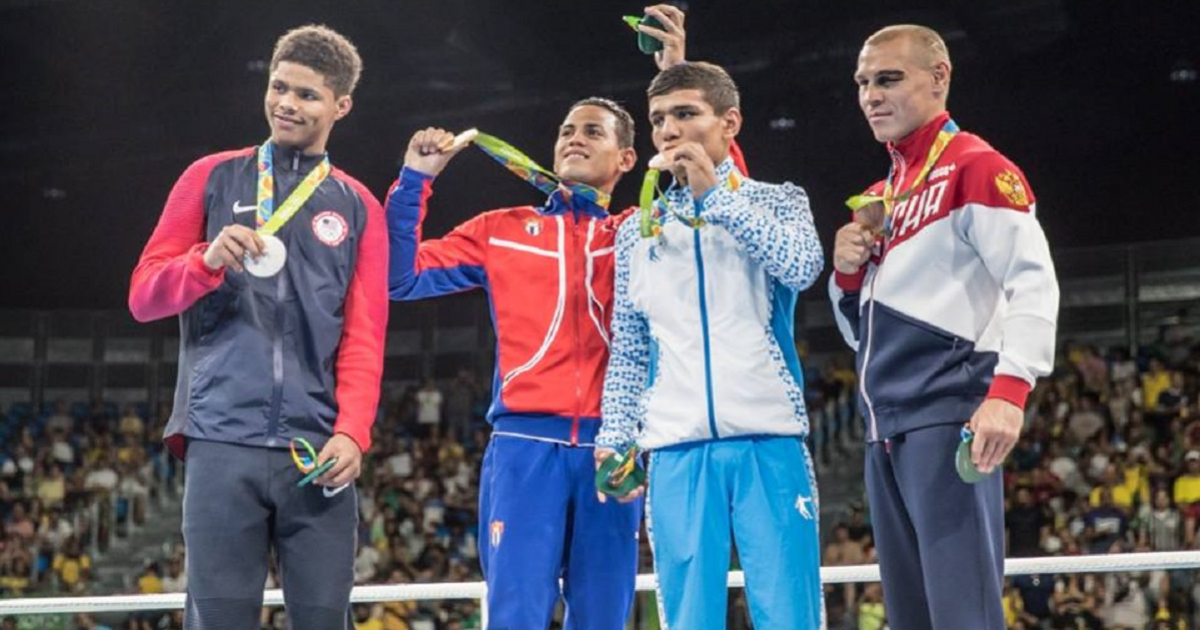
(940, 541)
(238, 503)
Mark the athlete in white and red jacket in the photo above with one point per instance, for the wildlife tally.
(950, 300)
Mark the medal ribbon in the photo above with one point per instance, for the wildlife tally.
(524, 167)
(858, 202)
(306, 460)
(650, 220)
(268, 220)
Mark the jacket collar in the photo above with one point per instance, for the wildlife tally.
(914, 147)
(561, 201)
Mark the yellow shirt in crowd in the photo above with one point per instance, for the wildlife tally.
(70, 570)
(1187, 490)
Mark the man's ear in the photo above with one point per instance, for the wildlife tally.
(344, 104)
(731, 123)
(626, 160)
(941, 71)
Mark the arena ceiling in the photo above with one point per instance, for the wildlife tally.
(106, 101)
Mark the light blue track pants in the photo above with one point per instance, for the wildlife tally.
(761, 490)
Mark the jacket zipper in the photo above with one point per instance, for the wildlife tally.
(901, 170)
(708, 384)
(578, 291)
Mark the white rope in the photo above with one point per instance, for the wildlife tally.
(1166, 560)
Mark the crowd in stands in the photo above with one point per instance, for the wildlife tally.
(1109, 462)
(73, 478)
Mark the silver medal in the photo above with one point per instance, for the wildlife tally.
(270, 261)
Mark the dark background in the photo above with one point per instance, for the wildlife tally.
(105, 102)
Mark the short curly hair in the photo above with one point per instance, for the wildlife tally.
(712, 80)
(624, 120)
(325, 51)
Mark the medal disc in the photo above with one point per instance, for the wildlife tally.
(964, 466)
(620, 474)
(270, 261)
(461, 140)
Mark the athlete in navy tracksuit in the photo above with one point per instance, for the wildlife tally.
(950, 300)
(263, 360)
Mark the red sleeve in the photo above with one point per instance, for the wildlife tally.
(1014, 390)
(171, 275)
(850, 282)
(360, 355)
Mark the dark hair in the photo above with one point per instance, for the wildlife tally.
(717, 86)
(324, 50)
(624, 120)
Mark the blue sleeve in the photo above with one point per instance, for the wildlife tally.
(629, 358)
(774, 226)
(419, 269)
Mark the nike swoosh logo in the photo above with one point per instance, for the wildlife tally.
(238, 208)
(332, 492)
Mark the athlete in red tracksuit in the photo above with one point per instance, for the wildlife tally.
(548, 272)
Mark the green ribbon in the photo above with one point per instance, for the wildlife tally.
(620, 474)
(544, 180)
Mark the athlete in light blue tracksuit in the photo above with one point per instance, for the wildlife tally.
(704, 373)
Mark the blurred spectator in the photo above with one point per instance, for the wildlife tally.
(1014, 608)
(20, 527)
(842, 551)
(52, 486)
(73, 567)
(131, 425)
(1028, 525)
(175, 580)
(460, 403)
(150, 582)
(84, 621)
(1074, 606)
(15, 576)
(429, 409)
(103, 476)
(1085, 422)
(1116, 484)
(1160, 525)
(1187, 495)
(60, 420)
(1106, 524)
(368, 617)
(871, 615)
(1037, 593)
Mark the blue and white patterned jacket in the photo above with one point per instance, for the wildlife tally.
(702, 328)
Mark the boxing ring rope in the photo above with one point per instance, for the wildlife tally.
(1112, 563)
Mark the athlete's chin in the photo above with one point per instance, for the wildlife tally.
(290, 139)
(577, 175)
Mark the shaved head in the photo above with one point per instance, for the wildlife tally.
(927, 46)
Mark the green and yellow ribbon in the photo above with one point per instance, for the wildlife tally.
(650, 220)
(544, 180)
(267, 219)
(858, 202)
